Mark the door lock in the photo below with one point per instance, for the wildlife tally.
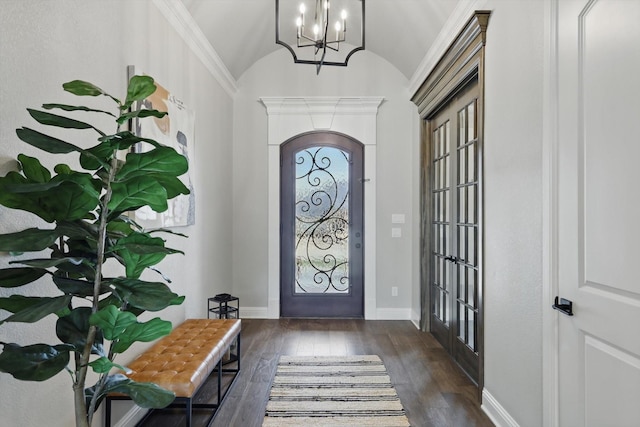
(451, 258)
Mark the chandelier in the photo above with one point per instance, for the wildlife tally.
(314, 31)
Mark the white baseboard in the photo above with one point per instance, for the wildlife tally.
(415, 319)
(381, 313)
(131, 417)
(393, 314)
(496, 412)
(254, 312)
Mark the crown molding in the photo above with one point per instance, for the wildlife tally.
(181, 20)
(450, 30)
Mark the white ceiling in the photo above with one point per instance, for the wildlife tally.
(243, 31)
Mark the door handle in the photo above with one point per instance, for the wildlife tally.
(451, 258)
(565, 306)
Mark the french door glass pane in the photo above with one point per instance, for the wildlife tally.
(467, 217)
(322, 220)
(441, 220)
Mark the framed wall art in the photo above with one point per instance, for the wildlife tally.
(176, 130)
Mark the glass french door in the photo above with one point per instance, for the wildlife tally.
(321, 247)
(455, 230)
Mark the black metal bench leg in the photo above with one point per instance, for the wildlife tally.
(107, 413)
(189, 409)
(238, 351)
(219, 380)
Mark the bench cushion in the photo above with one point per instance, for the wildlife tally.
(185, 358)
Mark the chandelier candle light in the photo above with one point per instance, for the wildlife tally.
(317, 31)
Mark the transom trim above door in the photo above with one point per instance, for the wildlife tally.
(353, 116)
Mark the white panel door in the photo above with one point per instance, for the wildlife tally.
(599, 212)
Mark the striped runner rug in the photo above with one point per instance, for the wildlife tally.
(333, 391)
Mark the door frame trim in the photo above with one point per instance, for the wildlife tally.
(290, 116)
(550, 212)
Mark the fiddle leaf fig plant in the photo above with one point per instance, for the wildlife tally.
(97, 311)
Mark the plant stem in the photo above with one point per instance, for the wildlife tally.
(84, 415)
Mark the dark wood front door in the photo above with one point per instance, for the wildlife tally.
(322, 245)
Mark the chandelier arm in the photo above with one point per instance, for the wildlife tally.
(323, 42)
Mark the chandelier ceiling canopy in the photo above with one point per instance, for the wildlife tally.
(320, 32)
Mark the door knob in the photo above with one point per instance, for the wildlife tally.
(564, 306)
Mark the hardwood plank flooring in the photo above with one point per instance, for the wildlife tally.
(432, 389)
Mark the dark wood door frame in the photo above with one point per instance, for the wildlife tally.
(462, 62)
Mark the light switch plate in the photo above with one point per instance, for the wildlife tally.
(396, 232)
(397, 218)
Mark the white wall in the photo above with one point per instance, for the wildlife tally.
(44, 44)
(366, 75)
(513, 208)
(512, 393)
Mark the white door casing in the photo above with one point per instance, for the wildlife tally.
(594, 356)
(354, 116)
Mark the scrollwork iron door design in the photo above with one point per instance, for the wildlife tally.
(321, 250)
(322, 220)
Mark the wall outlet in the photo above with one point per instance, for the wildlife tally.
(394, 291)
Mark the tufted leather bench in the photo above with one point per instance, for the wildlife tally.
(184, 359)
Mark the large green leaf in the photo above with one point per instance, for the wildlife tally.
(78, 230)
(77, 287)
(65, 197)
(143, 243)
(37, 362)
(45, 142)
(14, 277)
(142, 332)
(137, 192)
(50, 262)
(118, 228)
(150, 296)
(82, 248)
(33, 169)
(174, 186)
(15, 200)
(161, 160)
(32, 309)
(74, 266)
(140, 114)
(50, 119)
(103, 365)
(126, 139)
(146, 395)
(115, 300)
(112, 321)
(139, 88)
(29, 240)
(66, 107)
(97, 156)
(139, 251)
(74, 328)
(82, 88)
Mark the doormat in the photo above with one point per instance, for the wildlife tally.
(333, 391)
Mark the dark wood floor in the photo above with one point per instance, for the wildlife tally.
(432, 389)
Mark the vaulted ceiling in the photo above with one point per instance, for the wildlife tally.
(243, 31)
